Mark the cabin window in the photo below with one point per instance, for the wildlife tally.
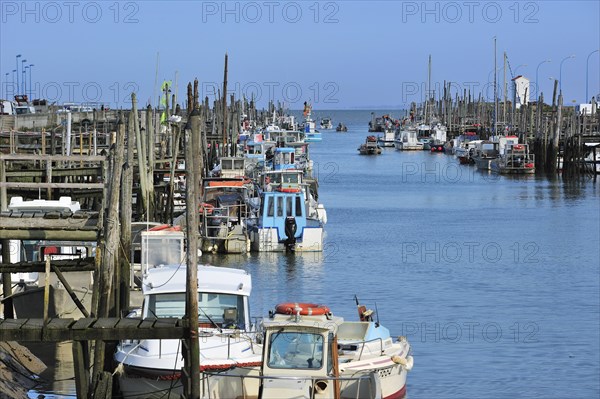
(270, 211)
(298, 206)
(279, 206)
(224, 310)
(288, 206)
(295, 350)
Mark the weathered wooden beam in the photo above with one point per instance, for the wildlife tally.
(52, 185)
(89, 329)
(52, 158)
(89, 234)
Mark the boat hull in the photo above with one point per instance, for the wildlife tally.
(267, 240)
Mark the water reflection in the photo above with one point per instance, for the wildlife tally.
(58, 379)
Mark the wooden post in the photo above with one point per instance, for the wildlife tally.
(140, 156)
(551, 167)
(81, 361)
(6, 278)
(110, 252)
(225, 152)
(192, 346)
(125, 217)
(46, 289)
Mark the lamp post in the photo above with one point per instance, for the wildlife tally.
(17, 70)
(13, 85)
(537, 70)
(560, 72)
(30, 84)
(23, 61)
(25, 79)
(587, 66)
(6, 80)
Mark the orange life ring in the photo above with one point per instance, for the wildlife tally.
(288, 190)
(307, 309)
(206, 208)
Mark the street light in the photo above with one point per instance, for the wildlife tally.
(537, 70)
(25, 79)
(23, 61)
(560, 72)
(30, 84)
(13, 81)
(6, 79)
(17, 70)
(587, 65)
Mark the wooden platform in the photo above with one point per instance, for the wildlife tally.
(88, 329)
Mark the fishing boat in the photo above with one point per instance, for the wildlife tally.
(326, 123)
(311, 353)
(406, 140)
(516, 159)
(485, 152)
(387, 139)
(466, 152)
(223, 213)
(312, 135)
(369, 147)
(152, 368)
(282, 223)
(341, 128)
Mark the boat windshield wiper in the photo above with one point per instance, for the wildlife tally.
(210, 320)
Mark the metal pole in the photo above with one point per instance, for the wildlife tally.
(17, 61)
(537, 85)
(587, 66)
(560, 72)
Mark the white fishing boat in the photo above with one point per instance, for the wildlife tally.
(152, 368)
(326, 123)
(312, 135)
(406, 140)
(388, 137)
(310, 353)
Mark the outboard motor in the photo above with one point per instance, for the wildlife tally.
(290, 232)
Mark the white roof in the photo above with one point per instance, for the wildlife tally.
(63, 204)
(172, 278)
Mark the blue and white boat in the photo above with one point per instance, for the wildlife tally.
(283, 224)
(312, 135)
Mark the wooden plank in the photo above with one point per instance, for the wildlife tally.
(129, 323)
(45, 158)
(83, 323)
(73, 265)
(147, 323)
(51, 185)
(106, 323)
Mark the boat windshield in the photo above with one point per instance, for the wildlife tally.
(295, 350)
(226, 310)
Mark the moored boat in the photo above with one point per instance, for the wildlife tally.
(310, 353)
(152, 368)
(516, 159)
(369, 147)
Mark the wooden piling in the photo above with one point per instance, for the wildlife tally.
(191, 344)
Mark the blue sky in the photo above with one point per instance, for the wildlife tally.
(337, 54)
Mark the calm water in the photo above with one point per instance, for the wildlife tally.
(494, 279)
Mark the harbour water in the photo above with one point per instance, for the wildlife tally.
(493, 279)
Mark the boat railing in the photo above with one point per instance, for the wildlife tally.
(319, 383)
(518, 160)
(213, 219)
(362, 345)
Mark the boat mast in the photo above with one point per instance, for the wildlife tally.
(495, 90)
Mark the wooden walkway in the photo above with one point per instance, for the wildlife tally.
(89, 329)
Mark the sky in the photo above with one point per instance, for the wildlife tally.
(335, 54)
